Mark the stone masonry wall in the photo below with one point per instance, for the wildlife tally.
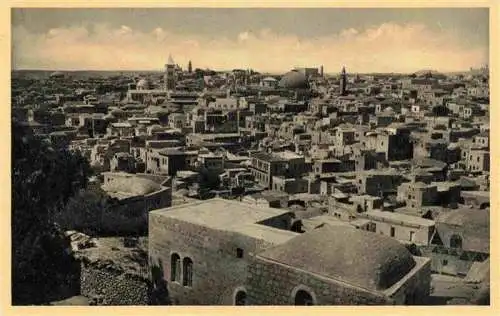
(217, 272)
(416, 289)
(109, 287)
(271, 283)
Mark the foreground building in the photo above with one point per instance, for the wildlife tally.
(222, 252)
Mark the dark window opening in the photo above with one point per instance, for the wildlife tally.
(298, 228)
(303, 298)
(372, 227)
(393, 231)
(187, 279)
(455, 241)
(240, 299)
(412, 236)
(239, 253)
(175, 267)
(445, 262)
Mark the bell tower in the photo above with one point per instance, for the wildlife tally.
(169, 76)
(343, 82)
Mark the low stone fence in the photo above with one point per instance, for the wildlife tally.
(105, 284)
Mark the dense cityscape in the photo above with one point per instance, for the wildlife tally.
(190, 158)
(202, 187)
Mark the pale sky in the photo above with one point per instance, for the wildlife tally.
(267, 40)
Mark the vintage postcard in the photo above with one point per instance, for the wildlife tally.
(172, 155)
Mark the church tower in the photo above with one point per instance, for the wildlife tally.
(343, 82)
(169, 77)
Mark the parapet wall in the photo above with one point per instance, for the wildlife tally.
(271, 283)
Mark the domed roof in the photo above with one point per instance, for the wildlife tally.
(116, 111)
(154, 127)
(294, 80)
(347, 254)
(57, 74)
(269, 79)
(131, 185)
(143, 84)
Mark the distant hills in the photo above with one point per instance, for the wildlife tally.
(41, 74)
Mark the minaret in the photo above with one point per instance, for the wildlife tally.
(343, 82)
(190, 67)
(169, 76)
(321, 71)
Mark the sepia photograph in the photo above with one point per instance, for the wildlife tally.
(197, 156)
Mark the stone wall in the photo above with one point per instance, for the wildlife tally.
(217, 271)
(402, 231)
(130, 216)
(446, 260)
(414, 288)
(108, 286)
(271, 283)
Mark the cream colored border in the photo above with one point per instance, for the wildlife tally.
(5, 163)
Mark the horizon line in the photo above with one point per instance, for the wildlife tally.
(261, 72)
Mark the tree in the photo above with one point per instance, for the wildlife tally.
(43, 179)
(83, 212)
(163, 116)
(208, 180)
(94, 213)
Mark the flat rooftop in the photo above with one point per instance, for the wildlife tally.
(396, 217)
(221, 214)
(288, 155)
(267, 233)
(316, 221)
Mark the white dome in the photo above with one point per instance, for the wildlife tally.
(143, 84)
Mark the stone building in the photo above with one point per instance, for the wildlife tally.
(222, 252)
(166, 161)
(477, 199)
(395, 144)
(221, 138)
(170, 76)
(308, 270)
(476, 160)
(462, 238)
(378, 183)
(265, 166)
(418, 194)
(290, 185)
(204, 248)
(122, 162)
(404, 228)
(177, 120)
(482, 140)
(320, 166)
(135, 195)
(121, 129)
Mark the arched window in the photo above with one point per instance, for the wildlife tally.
(484, 206)
(455, 241)
(297, 227)
(187, 265)
(303, 298)
(240, 298)
(175, 268)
